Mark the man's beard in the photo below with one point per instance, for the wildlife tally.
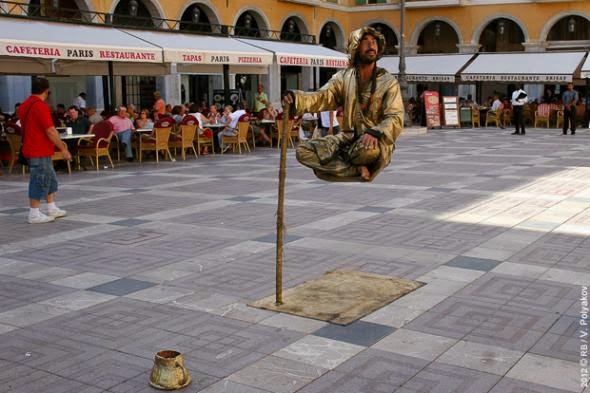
(367, 58)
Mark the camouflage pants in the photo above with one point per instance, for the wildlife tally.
(335, 157)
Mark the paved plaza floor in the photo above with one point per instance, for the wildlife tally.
(168, 256)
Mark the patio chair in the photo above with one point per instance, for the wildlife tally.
(494, 117)
(542, 115)
(185, 139)
(59, 156)
(158, 140)
(14, 141)
(241, 138)
(279, 130)
(506, 117)
(475, 119)
(98, 145)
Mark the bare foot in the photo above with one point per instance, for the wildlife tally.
(365, 174)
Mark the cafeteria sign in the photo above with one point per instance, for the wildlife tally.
(288, 60)
(516, 77)
(77, 53)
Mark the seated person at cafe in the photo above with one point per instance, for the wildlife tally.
(269, 114)
(213, 117)
(92, 115)
(59, 116)
(79, 124)
(144, 121)
(178, 113)
(123, 127)
(195, 110)
(496, 104)
(230, 121)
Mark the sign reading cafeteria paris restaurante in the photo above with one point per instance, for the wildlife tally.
(80, 53)
(311, 61)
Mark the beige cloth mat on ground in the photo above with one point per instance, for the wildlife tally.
(340, 297)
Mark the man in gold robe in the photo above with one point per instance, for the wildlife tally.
(373, 115)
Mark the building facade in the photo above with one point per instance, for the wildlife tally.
(432, 26)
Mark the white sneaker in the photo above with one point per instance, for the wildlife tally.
(56, 213)
(40, 219)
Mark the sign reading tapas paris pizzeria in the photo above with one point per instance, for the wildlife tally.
(81, 53)
(305, 61)
(208, 58)
(516, 77)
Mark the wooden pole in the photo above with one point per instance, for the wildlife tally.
(284, 139)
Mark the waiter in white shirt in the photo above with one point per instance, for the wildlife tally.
(519, 98)
(80, 101)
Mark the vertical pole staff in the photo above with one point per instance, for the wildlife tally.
(281, 203)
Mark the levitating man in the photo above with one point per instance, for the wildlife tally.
(373, 115)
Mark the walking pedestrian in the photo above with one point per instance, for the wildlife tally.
(39, 139)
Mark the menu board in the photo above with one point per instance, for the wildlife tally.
(432, 108)
(451, 111)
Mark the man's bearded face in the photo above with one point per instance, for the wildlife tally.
(368, 49)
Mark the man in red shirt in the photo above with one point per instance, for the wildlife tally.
(39, 141)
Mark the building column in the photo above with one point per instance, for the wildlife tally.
(466, 89)
(307, 78)
(535, 91)
(273, 85)
(94, 93)
(13, 89)
(169, 86)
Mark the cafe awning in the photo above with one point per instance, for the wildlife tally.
(428, 68)
(585, 71)
(525, 67)
(306, 55)
(207, 54)
(28, 46)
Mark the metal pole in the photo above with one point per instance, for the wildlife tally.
(111, 87)
(281, 203)
(226, 99)
(403, 83)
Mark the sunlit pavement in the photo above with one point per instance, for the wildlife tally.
(167, 256)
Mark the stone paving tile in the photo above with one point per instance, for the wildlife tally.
(121, 287)
(473, 263)
(509, 385)
(358, 333)
(440, 377)
(277, 375)
(486, 358)
(16, 292)
(371, 371)
(130, 222)
(227, 386)
(415, 344)
(319, 351)
(544, 370)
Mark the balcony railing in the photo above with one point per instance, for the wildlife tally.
(77, 16)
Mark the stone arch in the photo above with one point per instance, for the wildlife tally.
(490, 18)
(299, 20)
(154, 8)
(423, 23)
(391, 37)
(206, 6)
(337, 31)
(258, 15)
(371, 22)
(82, 5)
(556, 18)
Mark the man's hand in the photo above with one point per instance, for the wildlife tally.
(66, 153)
(369, 141)
(288, 98)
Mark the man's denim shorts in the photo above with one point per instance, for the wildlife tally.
(42, 179)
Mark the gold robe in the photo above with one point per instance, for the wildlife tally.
(385, 114)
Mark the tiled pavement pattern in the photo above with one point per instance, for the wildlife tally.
(167, 256)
